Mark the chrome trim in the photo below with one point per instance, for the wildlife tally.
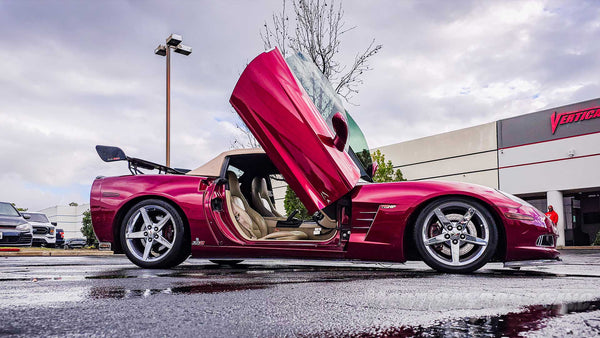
(365, 219)
(371, 225)
(367, 212)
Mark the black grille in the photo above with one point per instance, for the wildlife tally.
(40, 230)
(545, 240)
(16, 239)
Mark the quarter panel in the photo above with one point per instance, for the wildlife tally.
(112, 196)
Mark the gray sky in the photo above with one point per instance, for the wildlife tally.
(74, 74)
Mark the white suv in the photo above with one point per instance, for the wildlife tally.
(44, 233)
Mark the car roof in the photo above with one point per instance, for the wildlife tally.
(213, 167)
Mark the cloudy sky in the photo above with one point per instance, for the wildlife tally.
(74, 74)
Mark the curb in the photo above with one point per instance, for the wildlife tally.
(587, 247)
(55, 253)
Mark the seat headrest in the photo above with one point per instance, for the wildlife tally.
(259, 186)
(234, 184)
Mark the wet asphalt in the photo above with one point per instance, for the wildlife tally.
(109, 296)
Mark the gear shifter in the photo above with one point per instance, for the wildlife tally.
(291, 216)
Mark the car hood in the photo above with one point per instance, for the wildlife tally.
(396, 192)
(39, 224)
(11, 221)
(296, 133)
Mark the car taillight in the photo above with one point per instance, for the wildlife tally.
(62, 235)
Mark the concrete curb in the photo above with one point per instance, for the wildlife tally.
(56, 253)
(587, 247)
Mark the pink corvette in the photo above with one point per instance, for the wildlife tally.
(225, 210)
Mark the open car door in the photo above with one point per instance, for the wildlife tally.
(304, 139)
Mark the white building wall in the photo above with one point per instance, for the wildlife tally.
(68, 218)
(279, 189)
(562, 165)
(451, 144)
(466, 155)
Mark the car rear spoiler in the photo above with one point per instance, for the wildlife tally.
(112, 154)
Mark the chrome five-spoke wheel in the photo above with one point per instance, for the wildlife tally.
(455, 235)
(152, 235)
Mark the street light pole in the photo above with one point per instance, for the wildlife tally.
(172, 42)
(168, 117)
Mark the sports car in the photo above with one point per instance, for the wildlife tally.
(225, 210)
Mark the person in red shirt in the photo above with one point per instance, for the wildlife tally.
(552, 215)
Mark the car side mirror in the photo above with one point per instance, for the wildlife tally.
(54, 223)
(374, 168)
(26, 216)
(340, 126)
(220, 181)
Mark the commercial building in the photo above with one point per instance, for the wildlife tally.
(69, 218)
(550, 157)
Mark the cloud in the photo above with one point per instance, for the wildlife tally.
(80, 74)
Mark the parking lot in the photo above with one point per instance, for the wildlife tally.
(108, 296)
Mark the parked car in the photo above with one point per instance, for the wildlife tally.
(14, 228)
(225, 209)
(43, 230)
(60, 237)
(73, 243)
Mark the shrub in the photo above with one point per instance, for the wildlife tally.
(597, 241)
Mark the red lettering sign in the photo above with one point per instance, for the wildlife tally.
(571, 117)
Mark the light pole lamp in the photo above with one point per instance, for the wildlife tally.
(172, 42)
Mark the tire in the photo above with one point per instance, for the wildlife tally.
(455, 235)
(230, 262)
(152, 235)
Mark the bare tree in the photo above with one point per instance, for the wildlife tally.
(246, 139)
(318, 29)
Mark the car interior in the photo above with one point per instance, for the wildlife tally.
(251, 204)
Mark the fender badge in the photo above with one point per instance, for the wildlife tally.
(197, 242)
(387, 206)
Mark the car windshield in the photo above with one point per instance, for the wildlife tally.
(329, 103)
(40, 218)
(8, 210)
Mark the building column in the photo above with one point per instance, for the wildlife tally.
(555, 199)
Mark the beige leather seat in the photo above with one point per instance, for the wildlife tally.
(261, 200)
(251, 222)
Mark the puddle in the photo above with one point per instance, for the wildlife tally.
(258, 272)
(255, 283)
(122, 293)
(119, 276)
(508, 325)
(253, 271)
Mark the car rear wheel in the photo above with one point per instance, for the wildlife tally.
(152, 235)
(456, 235)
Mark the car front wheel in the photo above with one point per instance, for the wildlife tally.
(456, 235)
(152, 235)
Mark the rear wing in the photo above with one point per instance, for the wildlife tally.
(113, 154)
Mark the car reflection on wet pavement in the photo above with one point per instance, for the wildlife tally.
(107, 296)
